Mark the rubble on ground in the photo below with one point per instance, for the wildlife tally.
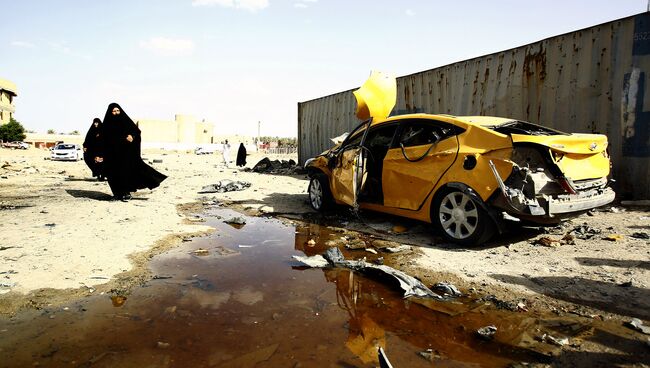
(283, 167)
(333, 257)
(225, 186)
(584, 232)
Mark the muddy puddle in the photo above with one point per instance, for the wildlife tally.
(237, 299)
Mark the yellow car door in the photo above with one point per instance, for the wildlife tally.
(348, 173)
(423, 152)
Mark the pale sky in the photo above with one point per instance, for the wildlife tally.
(237, 62)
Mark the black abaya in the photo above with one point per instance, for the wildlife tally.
(241, 155)
(125, 170)
(93, 148)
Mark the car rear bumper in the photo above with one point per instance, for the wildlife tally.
(581, 201)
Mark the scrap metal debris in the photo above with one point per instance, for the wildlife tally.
(383, 359)
(429, 354)
(397, 249)
(637, 324)
(447, 289)
(554, 340)
(333, 256)
(225, 185)
(584, 232)
(487, 332)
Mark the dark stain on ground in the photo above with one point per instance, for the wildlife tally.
(236, 299)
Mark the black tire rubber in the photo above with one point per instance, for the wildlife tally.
(484, 227)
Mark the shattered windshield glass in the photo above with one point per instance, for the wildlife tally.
(522, 127)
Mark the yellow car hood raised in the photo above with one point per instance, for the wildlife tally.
(570, 143)
(376, 97)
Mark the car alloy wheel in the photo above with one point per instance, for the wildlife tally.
(320, 198)
(316, 194)
(461, 219)
(458, 215)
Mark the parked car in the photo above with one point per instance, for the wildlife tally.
(15, 145)
(67, 152)
(467, 175)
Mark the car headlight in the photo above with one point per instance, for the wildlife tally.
(309, 161)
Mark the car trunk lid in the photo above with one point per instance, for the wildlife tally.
(578, 156)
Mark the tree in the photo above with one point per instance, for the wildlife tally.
(51, 131)
(12, 131)
(74, 132)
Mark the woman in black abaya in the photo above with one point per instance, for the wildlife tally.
(125, 170)
(93, 149)
(241, 155)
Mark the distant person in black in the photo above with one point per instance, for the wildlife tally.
(241, 155)
(93, 147)
(124, 168)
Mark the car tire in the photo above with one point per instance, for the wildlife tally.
(459, 219)
(320, 197)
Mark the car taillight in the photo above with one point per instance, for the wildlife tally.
(567, 185)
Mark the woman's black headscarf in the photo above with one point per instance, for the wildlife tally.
(125, 170)
(93, 147)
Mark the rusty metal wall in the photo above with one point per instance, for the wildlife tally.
(591, 80)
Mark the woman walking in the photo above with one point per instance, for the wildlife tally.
(125, 170)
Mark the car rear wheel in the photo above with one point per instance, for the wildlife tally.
(461, 220)
(320, 197)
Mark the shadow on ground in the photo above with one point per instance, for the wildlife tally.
(94, 180)
(90, 194)
(628, 301)
(622, 263)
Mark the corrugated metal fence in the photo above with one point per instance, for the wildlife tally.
(592, 80)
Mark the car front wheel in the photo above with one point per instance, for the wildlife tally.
(320, 197)
(461, 220)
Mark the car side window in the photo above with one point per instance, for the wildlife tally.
(381, 137)
(422, 132)
(355, 141)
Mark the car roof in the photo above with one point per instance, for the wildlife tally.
(464, 120)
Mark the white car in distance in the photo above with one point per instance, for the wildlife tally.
(67, 152)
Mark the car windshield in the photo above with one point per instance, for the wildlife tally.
(522, 127)
(65, 146)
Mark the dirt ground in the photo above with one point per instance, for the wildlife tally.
(63, 238)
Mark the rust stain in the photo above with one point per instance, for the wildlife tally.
(535, 63)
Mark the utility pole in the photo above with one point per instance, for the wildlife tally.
(258, 133)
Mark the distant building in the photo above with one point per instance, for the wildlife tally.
(8, 91)
(184, 132)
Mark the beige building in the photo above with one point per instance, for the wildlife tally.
(184, 132)
(8, 91)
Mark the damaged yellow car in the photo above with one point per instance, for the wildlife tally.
(467, 175)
